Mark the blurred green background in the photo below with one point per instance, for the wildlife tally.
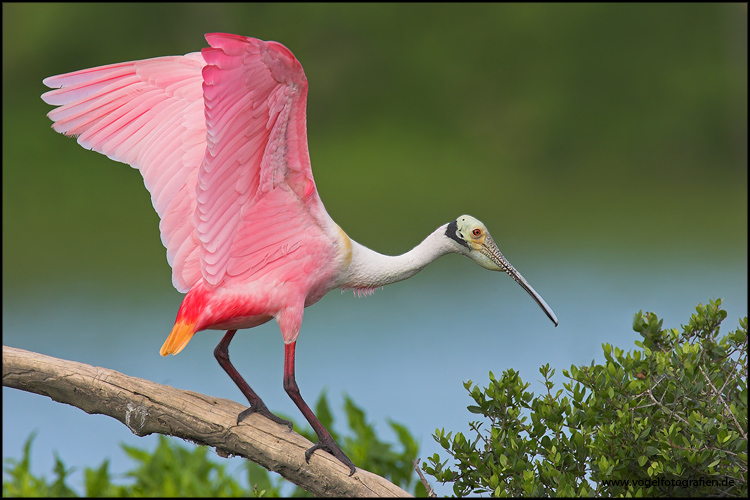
(619, 129)
(604, 145)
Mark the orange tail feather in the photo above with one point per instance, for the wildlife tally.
(181, 334)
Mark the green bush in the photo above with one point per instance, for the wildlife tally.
(667, 419)
(173, 469)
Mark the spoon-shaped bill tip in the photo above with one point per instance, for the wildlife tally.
(499, 259)
(539, 300)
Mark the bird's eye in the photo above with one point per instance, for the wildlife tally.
(476, 232)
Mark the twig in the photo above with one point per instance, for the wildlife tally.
(146, 407)
(718, 394)
(660, 405)
(430, 491)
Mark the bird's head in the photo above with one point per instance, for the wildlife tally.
(472, 239)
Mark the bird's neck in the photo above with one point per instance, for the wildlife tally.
(369, 269)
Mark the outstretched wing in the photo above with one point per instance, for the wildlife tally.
(257, 202)
(148, 114)
(220, 139)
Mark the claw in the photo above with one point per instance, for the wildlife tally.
(263, 410)
(331, 447)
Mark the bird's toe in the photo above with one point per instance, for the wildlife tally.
(266, 413)
(332, 448)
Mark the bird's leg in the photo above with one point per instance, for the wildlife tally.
(221, 353)
(325, 441)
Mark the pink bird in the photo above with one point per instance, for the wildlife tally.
(220, 139)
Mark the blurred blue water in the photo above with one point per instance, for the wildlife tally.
(400, 354)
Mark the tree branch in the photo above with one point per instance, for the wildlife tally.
(146, 407)
(430, 491)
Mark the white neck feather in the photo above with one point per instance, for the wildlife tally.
(370, 269)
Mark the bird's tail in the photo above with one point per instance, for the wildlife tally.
(181, 334)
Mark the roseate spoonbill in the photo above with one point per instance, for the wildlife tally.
(220, 139)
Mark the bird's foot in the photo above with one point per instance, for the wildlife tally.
(263, 410)
(328, 444)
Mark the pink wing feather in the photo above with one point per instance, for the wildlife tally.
(255, 188)
(220, 139)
